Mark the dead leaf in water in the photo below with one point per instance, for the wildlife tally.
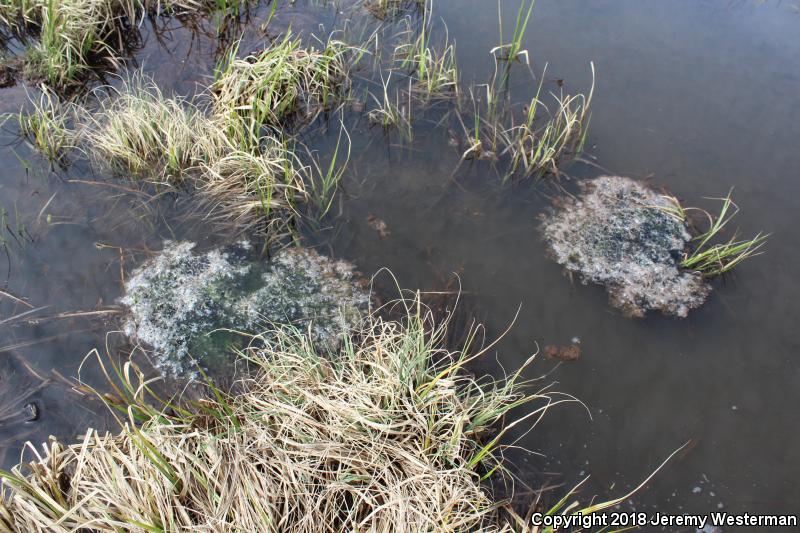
(571, 352)
(378, 225)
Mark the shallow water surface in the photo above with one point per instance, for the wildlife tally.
(697, 97)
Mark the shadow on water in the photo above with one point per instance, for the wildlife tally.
(696, 97)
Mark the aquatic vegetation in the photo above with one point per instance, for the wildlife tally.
(392, 113)
(391, 434)
(254, 191)
(616, 234)
(550, 133)
(513, 49)
(265, 89)
(138, 130)
(49, 126)
(434, 68)
(191, 309)
(325, 182)
(537, 145)
(552, 130)
(391, 9)
(70, 37)
(68, 32)
(714, 259)
(170, 140)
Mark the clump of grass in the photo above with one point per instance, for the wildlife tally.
(72, 35)
(49, 126)
(548, 134)
(710, 257)
(69, 33)
(267, 88)
(538, 144)
(249, 190)
(388, 434)
(244, 169)
(434, 69)
(140, 131)
(392, 9)
(391, 113)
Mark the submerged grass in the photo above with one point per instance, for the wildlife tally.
(389, 434)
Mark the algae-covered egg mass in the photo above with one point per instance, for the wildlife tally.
(623, 235)
(195, 308)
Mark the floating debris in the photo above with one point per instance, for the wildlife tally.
(571, 352)
(379, 225)
(18, 385)
(623, 235)
(194, 308)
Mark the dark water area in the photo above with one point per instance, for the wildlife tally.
(697, 97)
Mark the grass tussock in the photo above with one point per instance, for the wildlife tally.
(548, 134)
(390, 434)
(387, 10)
(551, 131)
(49, 126)
(709, 255)
(69, 33)
(285, 80)
(261, 190)
(137, 130)
(70, 37)
(174, 142)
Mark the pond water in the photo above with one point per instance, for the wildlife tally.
(693, 96)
